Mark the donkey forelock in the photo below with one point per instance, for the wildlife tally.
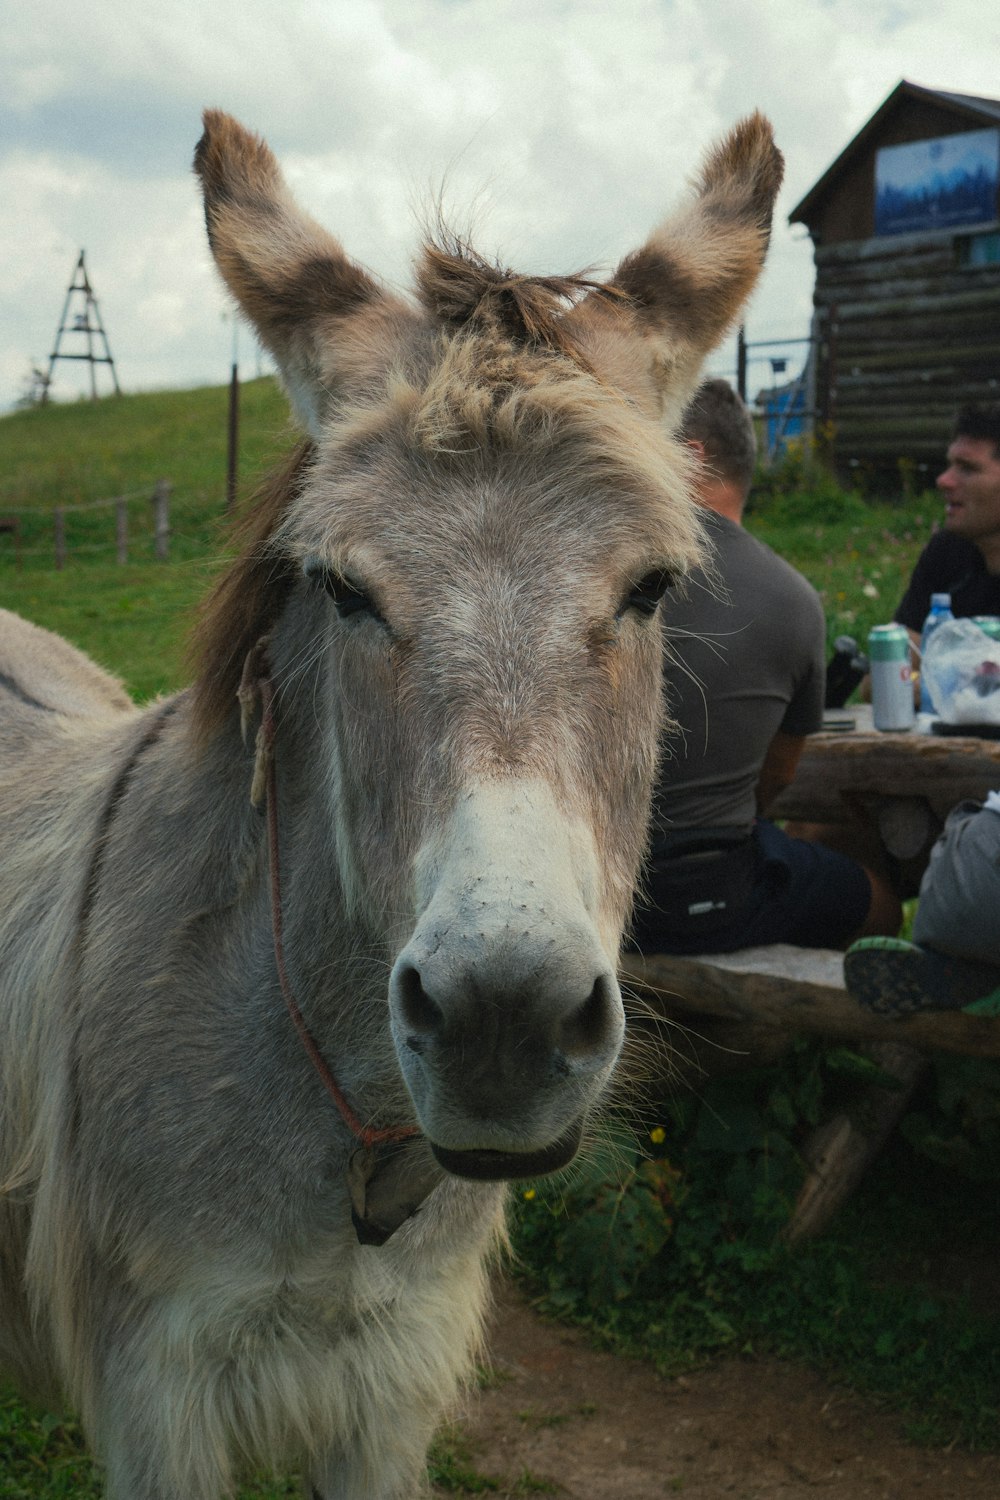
(459, 287)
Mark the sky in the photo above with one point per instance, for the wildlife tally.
(559, 131)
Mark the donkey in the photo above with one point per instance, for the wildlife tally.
(302, 964)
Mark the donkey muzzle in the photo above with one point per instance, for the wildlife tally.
(504, 1005)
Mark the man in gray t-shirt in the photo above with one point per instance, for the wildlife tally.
(746, 663)
(745, 676)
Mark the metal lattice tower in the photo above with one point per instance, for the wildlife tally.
(81, 316)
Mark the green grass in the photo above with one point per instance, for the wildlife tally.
(42, 1456)
(857, 556)
(132, 618)
(860, 568)
(84, 451)
(451, 1472)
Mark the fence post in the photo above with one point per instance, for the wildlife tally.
(233, 440)
(59, 527)
(161, 519)
(11, 526)
(121, 530)
(741, 362)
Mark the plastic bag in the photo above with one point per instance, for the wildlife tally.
(962, 670)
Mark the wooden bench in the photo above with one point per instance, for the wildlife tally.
(781, 991)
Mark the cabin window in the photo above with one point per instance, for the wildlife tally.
(979, 249)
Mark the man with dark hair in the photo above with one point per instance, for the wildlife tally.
(745, 673)
(718, 427)
(963, 559)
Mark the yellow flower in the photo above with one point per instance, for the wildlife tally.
(529, 1193)
(657, 1135)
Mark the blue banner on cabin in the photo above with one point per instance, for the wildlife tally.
(937, 184)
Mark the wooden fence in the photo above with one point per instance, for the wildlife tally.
(10, 525)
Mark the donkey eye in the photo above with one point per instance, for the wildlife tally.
(644, 596)
(348, 597)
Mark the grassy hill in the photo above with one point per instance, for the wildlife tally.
(84, 451)
(133, 618)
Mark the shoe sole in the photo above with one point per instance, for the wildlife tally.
(902, 979)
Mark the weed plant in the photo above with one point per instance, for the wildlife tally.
(670, 1247)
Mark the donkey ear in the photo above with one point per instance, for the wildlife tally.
(288, 274)
(690, 280)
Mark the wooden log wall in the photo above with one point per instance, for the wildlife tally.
(907, 335)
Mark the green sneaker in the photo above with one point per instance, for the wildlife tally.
(989, 1005)
(895, 978)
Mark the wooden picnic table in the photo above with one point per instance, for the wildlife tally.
(902, 785)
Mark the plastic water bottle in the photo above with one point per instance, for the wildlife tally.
(940, 611)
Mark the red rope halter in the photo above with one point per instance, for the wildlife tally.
(266, 763)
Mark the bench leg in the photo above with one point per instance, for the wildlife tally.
(839, 1151)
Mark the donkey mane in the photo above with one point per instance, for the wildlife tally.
(246, 599)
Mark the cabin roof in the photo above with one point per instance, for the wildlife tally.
(972, 108)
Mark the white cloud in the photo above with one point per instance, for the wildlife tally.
(562, 129)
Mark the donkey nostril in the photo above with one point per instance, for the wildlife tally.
(590, 1028)
(420, 1014)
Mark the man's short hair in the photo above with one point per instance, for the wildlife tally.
(718, 419)
(981, 422)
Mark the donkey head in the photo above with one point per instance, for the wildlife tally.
(489, 512)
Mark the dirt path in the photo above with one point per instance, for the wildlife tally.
(598, 1427)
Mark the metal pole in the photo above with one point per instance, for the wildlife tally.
(234, 438)
(741, 362)
(88, 327)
